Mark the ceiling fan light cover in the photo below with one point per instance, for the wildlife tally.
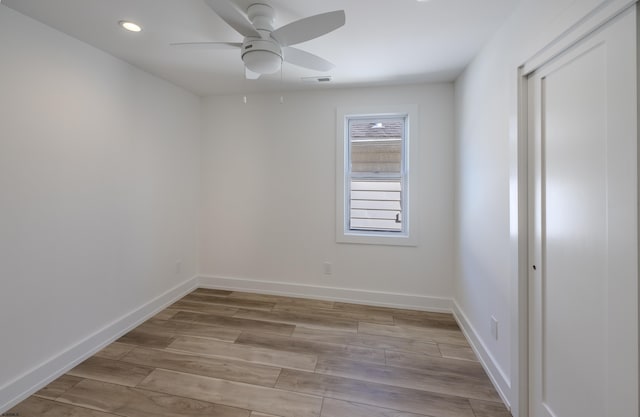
(262, 62)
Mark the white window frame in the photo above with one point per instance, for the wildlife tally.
(409, 236)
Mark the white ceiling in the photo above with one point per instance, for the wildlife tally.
(383, 41)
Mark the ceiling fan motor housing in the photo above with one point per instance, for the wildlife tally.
(262, 16)
(261, 55)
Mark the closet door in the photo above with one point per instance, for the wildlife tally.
(583, 282)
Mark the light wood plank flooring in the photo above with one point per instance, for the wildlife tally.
(233, 354)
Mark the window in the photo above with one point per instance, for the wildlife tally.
(375, 172)
(374, 157)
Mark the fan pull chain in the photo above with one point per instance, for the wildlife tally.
(281, 83)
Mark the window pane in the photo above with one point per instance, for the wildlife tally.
(376, 166)
(376, 145)
(376, 205)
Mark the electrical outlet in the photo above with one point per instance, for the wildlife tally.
(494, 327)
(327, 268)
(178, 266)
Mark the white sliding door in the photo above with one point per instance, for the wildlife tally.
(583, 282)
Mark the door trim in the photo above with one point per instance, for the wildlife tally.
(605, 12)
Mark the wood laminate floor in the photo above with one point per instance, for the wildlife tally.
(233, 354)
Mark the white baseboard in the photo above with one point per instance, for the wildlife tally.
(377, 298)
(497, 376)
(28, 383)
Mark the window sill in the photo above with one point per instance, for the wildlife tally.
(377, 239)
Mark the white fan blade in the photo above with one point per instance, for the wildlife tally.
(250, 75)
(230, 13)
(308, 28)
(304, 59)
(208, 45)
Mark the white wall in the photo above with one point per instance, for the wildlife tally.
(268, 193)
(98, 193)
(486, 115)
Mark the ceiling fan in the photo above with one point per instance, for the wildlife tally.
(264, 49)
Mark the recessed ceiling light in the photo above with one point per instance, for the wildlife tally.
(130, 26)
